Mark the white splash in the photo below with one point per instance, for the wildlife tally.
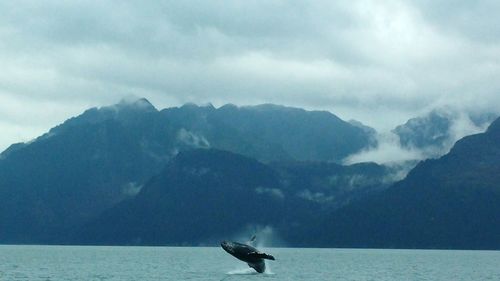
(243, 271)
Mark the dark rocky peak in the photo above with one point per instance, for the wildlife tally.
(12, 148)
(268, 108)
(124, 107)
(194, 106)
(190, 110)
(429, 130)
(435, 133)
(127, 111)
(190, 116)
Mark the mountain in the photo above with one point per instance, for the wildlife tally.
(450, 202)
(63, 179)
(201, 194)
(130, 174)
(436, 132)
(77, 170)
(432, 130)
(205, 194)
(332, 185)
(269, 132)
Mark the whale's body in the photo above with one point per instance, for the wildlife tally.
(248, 254)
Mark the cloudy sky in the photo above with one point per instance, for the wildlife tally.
(380, 62)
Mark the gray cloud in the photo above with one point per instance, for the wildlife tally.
(471, 19)
(380, 62)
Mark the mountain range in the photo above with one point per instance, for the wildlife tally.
(437, 131)
(451, 202)
(204, 194)
(193, 175)
(77, 170)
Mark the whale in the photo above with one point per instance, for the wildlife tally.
(246, 253)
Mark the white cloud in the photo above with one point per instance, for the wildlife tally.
(380, 62)
(276, 192)
(463, 126)
(131, 189)
(388, 151)
(192, 139)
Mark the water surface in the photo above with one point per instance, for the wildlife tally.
(170, 263)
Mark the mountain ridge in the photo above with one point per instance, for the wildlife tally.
(451, 202)
(133, 174)
(93, 161)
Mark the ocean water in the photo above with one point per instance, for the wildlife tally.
(170, 263)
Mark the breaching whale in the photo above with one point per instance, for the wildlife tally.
(248, 254)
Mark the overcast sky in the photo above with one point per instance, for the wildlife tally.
(380, 62)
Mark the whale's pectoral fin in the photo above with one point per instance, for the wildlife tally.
(261, 255)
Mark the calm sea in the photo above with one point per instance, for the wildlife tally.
(167, 263)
